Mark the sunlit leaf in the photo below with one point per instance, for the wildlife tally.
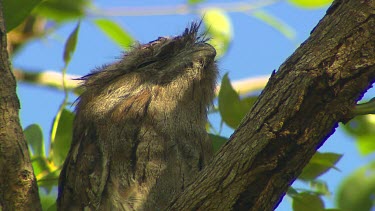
(232, 109)
(49, 181)
(319, 164)
(365, 144)
(362, 128)
(34, 137)
(63, 138)
(358, 190)
(274, 22)
(361, 125)
(40, 166)
(62, 10)
(115, 32)
(310, 4)
(14, 14)
(192, 2)
(217, 141)
(219, 28)
(70, 45)
(306, 201)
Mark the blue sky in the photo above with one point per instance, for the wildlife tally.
(257, 49)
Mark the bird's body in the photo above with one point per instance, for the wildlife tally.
(139, 133)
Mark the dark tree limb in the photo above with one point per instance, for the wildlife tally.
(18, 188)
(298, 110)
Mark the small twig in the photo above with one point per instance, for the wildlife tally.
(53, 79)
(181, 9)
(364, 108)
(247, 85)
(47, 78)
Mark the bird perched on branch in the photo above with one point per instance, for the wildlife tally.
(139, 133)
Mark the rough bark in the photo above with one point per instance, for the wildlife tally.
(18, 188)
(298, 110)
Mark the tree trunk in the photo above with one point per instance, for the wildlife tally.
(299, 109)
(18, 188)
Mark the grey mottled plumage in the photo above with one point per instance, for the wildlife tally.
(139, 133)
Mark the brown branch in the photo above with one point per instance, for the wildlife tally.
(298, 110)
(18, 188)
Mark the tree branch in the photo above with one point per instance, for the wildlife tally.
(182, 9)
(297, 111)
(18, 188)
(53, 79)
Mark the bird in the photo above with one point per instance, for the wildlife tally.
(139, 133)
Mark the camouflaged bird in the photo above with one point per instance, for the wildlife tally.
(139, 133)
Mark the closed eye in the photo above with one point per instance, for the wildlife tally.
(144, 64)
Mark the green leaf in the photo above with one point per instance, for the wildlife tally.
(232, 109)
(63, 138)
(115, 32)
(34, 137)
(49, 181)
(366, 144)
(14, 13)
(361, 125)
(247, 103)
(229, 103)
(319, 164)
(217, 141)
(40, 166)
(53, 207)
(279, 25)
(310, 4)
(320, 187)
(357, 191)
(62, 10)
(219, 28)
(47, 200)
(291, 192)
(362, 128)
(306, 201)
(70, 45)
(192, 2)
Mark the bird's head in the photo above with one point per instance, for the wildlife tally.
(183, 66)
